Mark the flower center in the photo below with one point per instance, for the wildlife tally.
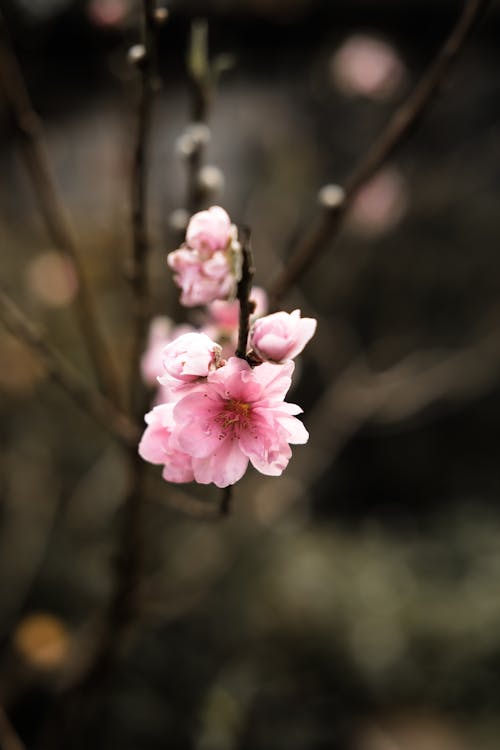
(234, 412)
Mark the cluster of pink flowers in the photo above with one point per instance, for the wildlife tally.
(215, 412)
(208, 265)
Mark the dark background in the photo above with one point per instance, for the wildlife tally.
(355, 602)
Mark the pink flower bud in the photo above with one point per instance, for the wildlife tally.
(281, 336)
(190, 357)
(209, 231)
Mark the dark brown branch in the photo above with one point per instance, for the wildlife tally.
(122, 610)
(400, 125)
(201, 99)
(225, 504)
(139, 277)
(30, 132)
(90, 401)
(243, 293)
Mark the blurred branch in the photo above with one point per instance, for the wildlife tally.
(29, 129)
(123, 606)
(9, 739)
(145, 60)
(334, 200)
(91, 402)
(399, 392)
(203, 77)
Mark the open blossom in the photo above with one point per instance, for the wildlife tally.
(158, 445)
(190, 357)
(238, 415)
(281, 336)
(208, 266)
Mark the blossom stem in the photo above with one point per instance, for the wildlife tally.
(319, 237)
(225, 504)
(36, 158)
(243, 293)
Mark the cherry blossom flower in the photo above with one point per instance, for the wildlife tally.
(208, 265)
(238, 415)
(281, 336)
(158, 445)
(190, 357)
(202, 281)
(209, 230)
(161, 332)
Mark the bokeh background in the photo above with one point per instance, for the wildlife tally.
(354, 603)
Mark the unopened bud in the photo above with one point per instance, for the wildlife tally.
(136, 54)
(211, 179)
(331, 196)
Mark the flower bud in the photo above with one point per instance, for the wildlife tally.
(190, 356)
(281, 336)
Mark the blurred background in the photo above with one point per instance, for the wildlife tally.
(354, 603)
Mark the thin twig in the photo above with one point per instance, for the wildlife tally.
(63, 373)
(34, 151)
(246, 309)
(123, 605)
(400, 125)
(243, 293)
(139, 276)
(9, 739)
(201, 98)
(227, 496)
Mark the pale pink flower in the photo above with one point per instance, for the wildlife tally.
(161, 332)
(158, 445)
(238, 414)
(202, 281)
(281, 336)
(190, 357)
(209, 230)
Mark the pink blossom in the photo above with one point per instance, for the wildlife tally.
(190, 357)
(161, 332)
(281, 336)
(209, 230)
(202, 281)
(158, 445)
(238, 414)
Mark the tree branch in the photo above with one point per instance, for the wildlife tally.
(90, 401)
(334, 200)
(243, 293)
(34, 152)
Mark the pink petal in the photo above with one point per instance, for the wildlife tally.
(224, 467)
